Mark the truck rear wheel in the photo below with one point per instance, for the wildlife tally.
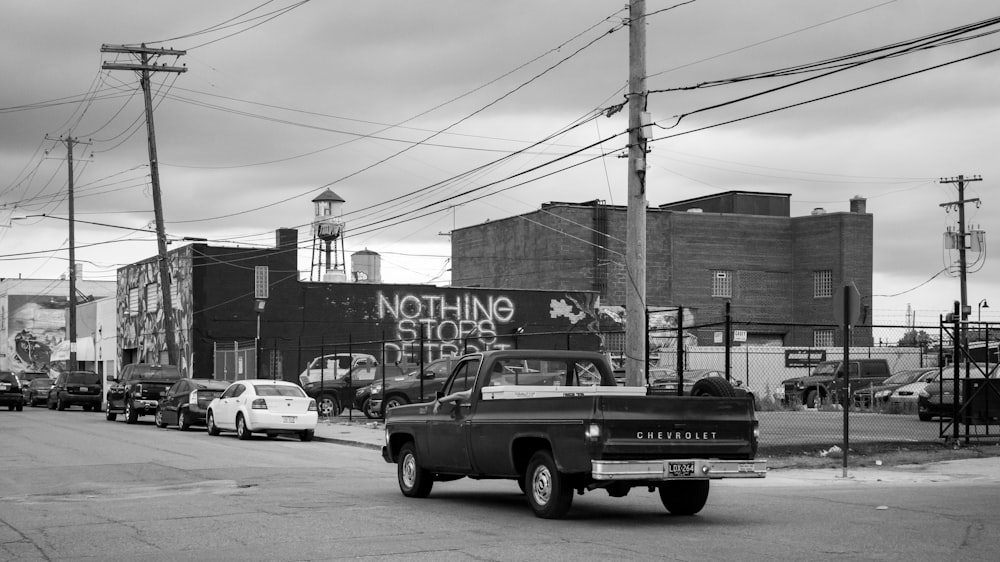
(684, 497)
(414, 480)
(713, 386)
(548, 492)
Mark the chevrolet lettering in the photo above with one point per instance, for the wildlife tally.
(556, 422)
(676, 435)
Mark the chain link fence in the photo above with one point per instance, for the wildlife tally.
(801, 403)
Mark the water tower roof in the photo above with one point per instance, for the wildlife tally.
(328, 196)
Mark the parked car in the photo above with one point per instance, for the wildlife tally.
(910, 393)
(270, 407)
(666, 383)
(938, 399)
(407, 388)
(870, 395)
(28, 376)
(76, 388)
(332, 394)
(186, 401)
(136, 390)
(10, 391)
(37, 391)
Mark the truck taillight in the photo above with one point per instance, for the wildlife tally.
(258, 404)
(592, 433)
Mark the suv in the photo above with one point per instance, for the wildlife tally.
(333, 394)
(406, 390)
(827, 380)
(137, 389)
(10, 391)
(76, 388)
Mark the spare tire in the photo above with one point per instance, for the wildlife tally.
(713, 386)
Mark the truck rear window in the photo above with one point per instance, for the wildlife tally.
(544, 372)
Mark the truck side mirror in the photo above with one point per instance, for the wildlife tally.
(439, 395)
(111, 378)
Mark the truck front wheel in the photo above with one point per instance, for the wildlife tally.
(414, 480)
(548, 492)
(684, 497)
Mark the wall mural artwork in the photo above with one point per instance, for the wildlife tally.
(144, 332)
(36, 325)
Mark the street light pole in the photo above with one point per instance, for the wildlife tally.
(982, 304)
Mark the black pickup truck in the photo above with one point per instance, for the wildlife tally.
(555, 421)
(137, 389)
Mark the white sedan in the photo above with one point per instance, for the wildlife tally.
(263, 406)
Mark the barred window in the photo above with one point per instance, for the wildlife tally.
(152, 297)
(823, 338)
(823, 283)
(133, 301)
(722, 283)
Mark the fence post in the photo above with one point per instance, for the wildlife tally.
(729, 344)
(680, 351)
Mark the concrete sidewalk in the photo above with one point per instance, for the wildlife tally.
(355, 430)
(358, 431)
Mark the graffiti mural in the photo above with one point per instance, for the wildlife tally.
(36, 325)
(451, 324)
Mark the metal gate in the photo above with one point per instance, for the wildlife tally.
(967, 393)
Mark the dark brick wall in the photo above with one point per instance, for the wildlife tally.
(772, 258)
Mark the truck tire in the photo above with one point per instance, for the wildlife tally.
(548, 492)
(109, 415)
(713, 386)
(414, 480)
(684, 497)
(328, 406)
(131, 416)
(812, 399)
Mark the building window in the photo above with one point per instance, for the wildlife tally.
(133, 301)
(152, 298)
(823, 283)
(823, 338)
(722, 283)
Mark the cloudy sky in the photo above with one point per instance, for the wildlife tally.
(426, 116)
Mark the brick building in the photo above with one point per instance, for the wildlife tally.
(778, 272)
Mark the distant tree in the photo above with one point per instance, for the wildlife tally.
(913, 338)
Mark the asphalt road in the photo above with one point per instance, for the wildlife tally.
(76, 487)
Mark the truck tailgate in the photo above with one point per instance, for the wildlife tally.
(671, 427)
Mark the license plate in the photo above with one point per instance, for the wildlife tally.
(288, 419)
(83, 389)
(680, 469)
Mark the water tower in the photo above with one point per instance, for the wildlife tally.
(328, 262)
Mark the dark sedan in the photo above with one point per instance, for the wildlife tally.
(184, 404)
(37, 391)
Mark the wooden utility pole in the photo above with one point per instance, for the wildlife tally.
(144, 68)
(962, 243)
(635, 251)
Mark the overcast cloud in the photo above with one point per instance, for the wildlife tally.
(273, 110)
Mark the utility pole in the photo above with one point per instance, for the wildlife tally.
(69, 141)
(144, 68)
(963, 243)
(635, 247)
